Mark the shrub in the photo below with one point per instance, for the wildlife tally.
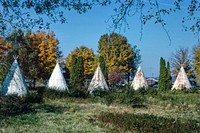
(54, 94)
(109, 100)
(34, 97)
(120, 95)
(99, 93)
(13, 105)
(153, 91)
(78, 92)
(146, 123)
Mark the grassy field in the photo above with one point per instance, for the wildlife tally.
(167, 110)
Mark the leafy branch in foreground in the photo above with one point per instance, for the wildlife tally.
(29, 13)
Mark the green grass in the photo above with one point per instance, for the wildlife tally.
(53, 116)
(93, 115)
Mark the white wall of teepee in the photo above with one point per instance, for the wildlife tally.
(181, 80)
(139, 80)
(98, 81)
(14, 82)
(57, 80)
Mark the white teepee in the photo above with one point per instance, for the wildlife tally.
(98, 81)
(139, 80)
(181, 80)
(14, 82)
(57, 80)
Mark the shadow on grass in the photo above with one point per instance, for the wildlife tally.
(30, 109)
(50, 108)
(139, 106)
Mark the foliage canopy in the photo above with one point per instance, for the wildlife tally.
(42, 13)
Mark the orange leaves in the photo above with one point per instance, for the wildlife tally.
(4, 47)
(48, 50)
(117, 52)
(88, 58)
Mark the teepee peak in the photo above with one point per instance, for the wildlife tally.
(139, 80)
(57, 80)
(182, 80)
(98, 81)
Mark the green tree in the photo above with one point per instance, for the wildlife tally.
(161, 81)
(4, 52)
(118, 53)
(103, 67)
(80, 72)
(169, 78)
(196, 61)
(164, 82)
(73, 71)
(77, 72)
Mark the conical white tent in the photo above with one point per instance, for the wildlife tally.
(14, 82)
(98, 81)
(57, 80)
(139, 80)
(181, 80)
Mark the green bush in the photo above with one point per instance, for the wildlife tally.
(109, 100)
(78, 92)
(146, 123)
(99, 93)
(153, 92)
(13, 105)
(120, 95)
(34, 97)
(54, 94)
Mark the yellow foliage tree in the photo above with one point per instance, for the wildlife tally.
(48, 52)
(88, 58)
(119, 55)
(4, 47)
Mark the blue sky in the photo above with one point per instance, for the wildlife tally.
(86, 29)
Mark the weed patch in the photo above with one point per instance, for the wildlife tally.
(146, 123)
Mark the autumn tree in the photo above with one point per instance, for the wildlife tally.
(36, 53)
(118, 53)
(88, 59)
(27, 53)
(4, 48)
(196, 61)
(4, 51)
(29, 60)
(182, 57)
(48, 52)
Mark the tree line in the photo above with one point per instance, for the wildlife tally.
(38, 52)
